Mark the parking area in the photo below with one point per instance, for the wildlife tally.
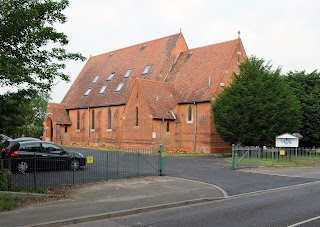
(210, 169)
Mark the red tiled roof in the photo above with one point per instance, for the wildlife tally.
(154, 52)
(160, 96)
(194, 67)
(57, 112)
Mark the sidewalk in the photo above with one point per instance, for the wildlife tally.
(113, 199)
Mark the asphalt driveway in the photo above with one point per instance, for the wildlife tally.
(215, 170)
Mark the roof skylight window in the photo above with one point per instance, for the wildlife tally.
(142, 48)
(146, 69)
(111, 76)
(95, 79)
(128, 73)
(104, 87)
(119, 87)
(87, 92)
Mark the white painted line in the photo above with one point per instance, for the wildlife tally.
(274, 189)
(220, 189)
(303, 222)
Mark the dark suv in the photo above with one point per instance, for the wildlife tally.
(39, 155)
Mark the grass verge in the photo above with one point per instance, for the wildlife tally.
(10, 202)
(300, 161)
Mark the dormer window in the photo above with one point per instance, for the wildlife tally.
(111, 76)
(104, 87)
(143, 47)
(87, 92)
(146, 69)
(189, 55)
(128, 73)
(119, 87)
(95, 79)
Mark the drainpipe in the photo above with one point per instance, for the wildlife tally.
(88, 125)
(161, 127)
(195, 128)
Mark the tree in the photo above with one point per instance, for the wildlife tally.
(23, 112)
(31, 52)
(257, 106)
(306, 87)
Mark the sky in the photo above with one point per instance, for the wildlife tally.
(286, 32)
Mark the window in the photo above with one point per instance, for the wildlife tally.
(92, 120)
(190, 113)
(87, 92)
(168, 129)
(239, 54)
(109, 118)
(143, 47)
(128, 73)
(32, 147)
(104, 87)
(65, 128)
(51, 148)
(111, 76)
(119, 86)
(146, 69)
(189, 55)
(137, 116)
(78, 120)
(95, 79)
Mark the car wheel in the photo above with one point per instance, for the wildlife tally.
(74, 164)
(22, 167)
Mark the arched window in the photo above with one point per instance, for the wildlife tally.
(78, 120)
(109, 118)
(92, 120)
(190, 113)
(137, 116)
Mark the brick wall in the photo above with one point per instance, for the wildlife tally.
(137, 134)
(199, 134)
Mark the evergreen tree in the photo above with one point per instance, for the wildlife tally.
(306, 87)
(257, 106)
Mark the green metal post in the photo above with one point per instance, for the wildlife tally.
(161, 162)
(234, 158)
(235, 161)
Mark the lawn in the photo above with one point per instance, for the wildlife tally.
(293, 161)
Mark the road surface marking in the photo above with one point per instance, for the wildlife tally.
(303, 222)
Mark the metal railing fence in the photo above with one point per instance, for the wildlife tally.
(101, 165)
(251, 157)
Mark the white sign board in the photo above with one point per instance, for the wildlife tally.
(287, 140)
(154, 135)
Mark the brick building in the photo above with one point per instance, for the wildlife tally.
(143, 95)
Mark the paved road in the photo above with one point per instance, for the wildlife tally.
(293, 206)
(215, 170)
(208, 169)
